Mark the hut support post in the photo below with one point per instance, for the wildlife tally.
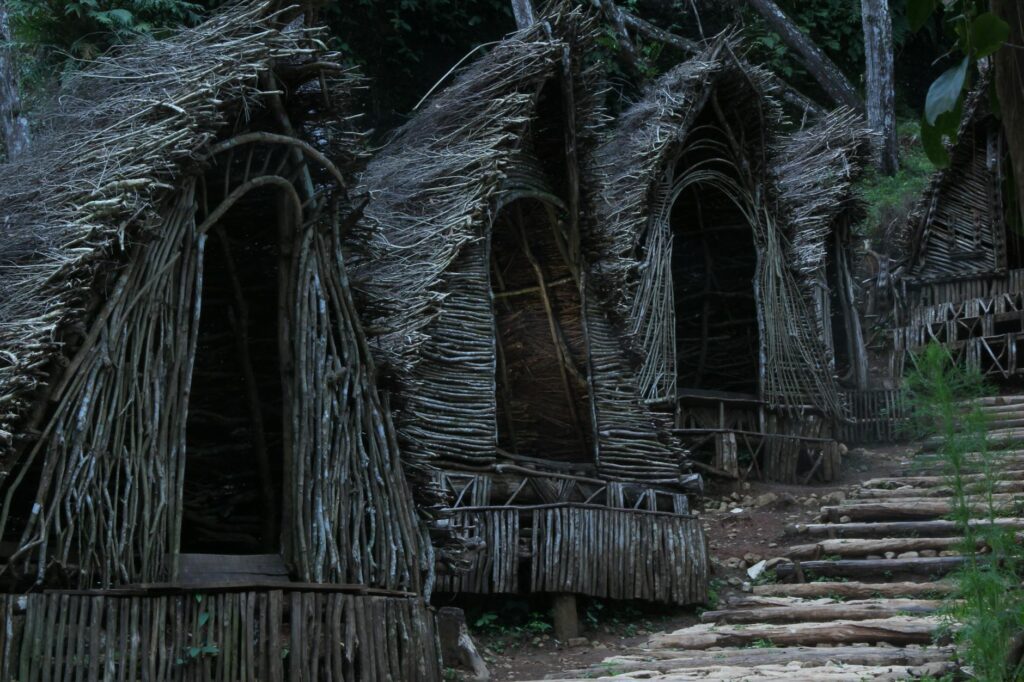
(563, 612)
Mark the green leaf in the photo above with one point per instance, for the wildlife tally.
(204, 618)
(193, 651)
(945, 91)
(918, 13)
(988, 34)
(931, 141)
(120, 16)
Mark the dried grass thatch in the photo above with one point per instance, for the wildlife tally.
(715, 121)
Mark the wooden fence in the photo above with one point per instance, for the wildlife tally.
(587, 549)
(268, 634)
(878, 416)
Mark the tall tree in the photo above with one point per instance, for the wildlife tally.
(817, 63)
(522, 10)
(879, 85)
(13, 124)
(1009, 64)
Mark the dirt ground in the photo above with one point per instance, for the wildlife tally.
(739, 531)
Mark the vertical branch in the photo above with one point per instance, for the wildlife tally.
(522, 10)
(879, 86)
(13, 124)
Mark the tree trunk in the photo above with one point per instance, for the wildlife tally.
(1010, 87)
(522, 10)
(879, 85)
(13, 124)
(823, 69)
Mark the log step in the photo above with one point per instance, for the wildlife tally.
(938, 527)
(937, 491)
(807, 657)
(894, 630)
(829, 672)
(816, 613)
(861, 547)
(856, 590)
(911, 509)
(867, 567)
(932, 481)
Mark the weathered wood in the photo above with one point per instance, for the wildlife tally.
(807, 657)
(13, 123)
(879, 84)
(848, 547)
(910, 508)
(821, 612)
(937, 527)
(565, 617)
(929, 481)
(895, 630)
(457, 647)
(856, 590)
(522, 11)
(855, 568)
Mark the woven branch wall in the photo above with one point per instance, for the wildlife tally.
(250, 635)
(607, 553)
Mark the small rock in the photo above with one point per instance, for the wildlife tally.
(751, 558)
(736, 510)
(843, 449)
(732, 562)
(834, 497)
(743, 564)
(734, 581)
(788, 499)
(908, 555)
(735, 496)
(948, 552)
(765, 500)
(773, 544)
(811, 502)
(845, 519)
(890, 555)
(577, 641)
(747, 587)
(929, 553)
(746, 485)
(757, 569)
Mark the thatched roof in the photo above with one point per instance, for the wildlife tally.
(796, 186)
(433, 193)
(120, 135)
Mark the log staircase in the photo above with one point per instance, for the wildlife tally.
(861, 595)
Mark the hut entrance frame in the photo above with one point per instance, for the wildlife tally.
(118, 424)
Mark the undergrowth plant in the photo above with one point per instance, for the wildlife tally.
(989, 604)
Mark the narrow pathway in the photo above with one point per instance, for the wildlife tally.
(859, 597)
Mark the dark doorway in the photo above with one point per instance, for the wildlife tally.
(714, 262)
(541, 387)
(234, 459)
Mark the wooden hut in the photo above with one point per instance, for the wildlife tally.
(198, 478)
(469, 266)
(961, 281)
(718, 247)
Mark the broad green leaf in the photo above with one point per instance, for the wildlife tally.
(204, 618)
(931, 141)
(988, 34)
(945, 91)
(121, 16)
(918, 13)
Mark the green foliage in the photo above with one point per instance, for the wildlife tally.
(834, 25)
(889, 199)
(976, 34)
(991, 602)
(405, 46)
(83, 29)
